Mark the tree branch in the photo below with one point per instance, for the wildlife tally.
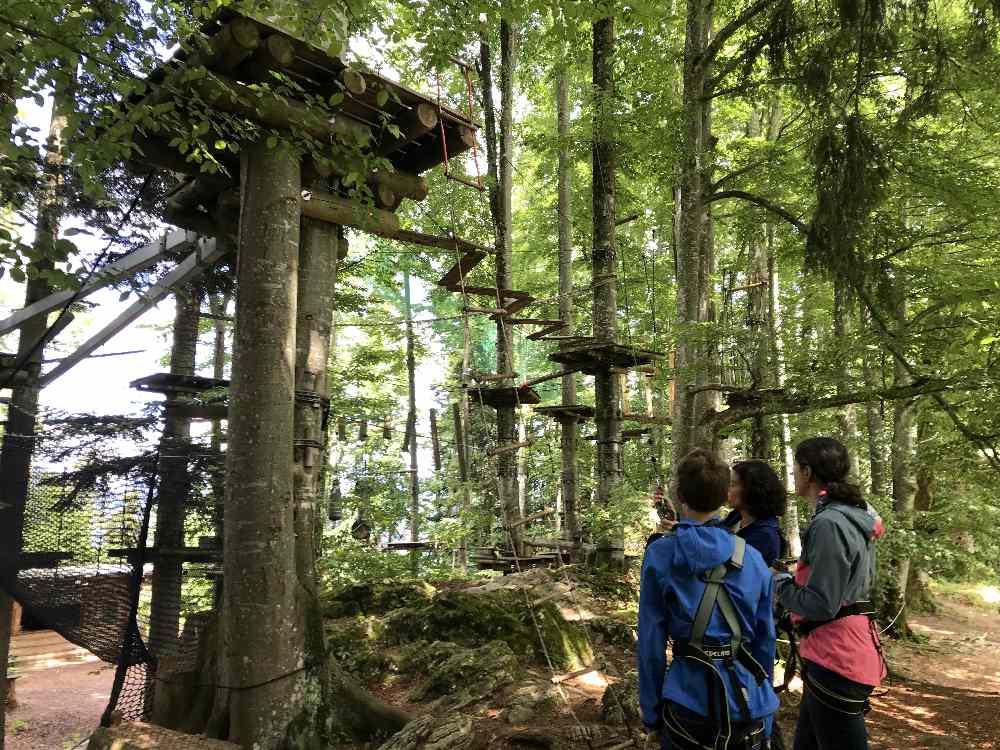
(763, 203)
(749, 403)
(719, 40)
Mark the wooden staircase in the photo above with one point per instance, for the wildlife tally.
(37, 650)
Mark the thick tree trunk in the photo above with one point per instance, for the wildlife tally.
(500, 154)
(411, 373)
(847, 423)
(605, 257)
(218, 306)
(693, 361)
(758, 316)
(791, 519)
(173, 481)
(18, 439)
(569, 427)
(264, 639)
(873, 417)
(903, 486)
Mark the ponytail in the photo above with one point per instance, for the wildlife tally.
(847, 493)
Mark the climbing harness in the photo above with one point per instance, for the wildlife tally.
(805, 627)
(715, 656)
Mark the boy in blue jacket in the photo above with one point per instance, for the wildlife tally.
(709, 593)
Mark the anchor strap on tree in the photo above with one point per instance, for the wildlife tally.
(719, 655)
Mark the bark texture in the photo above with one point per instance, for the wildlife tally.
(847, 422)
(605, 257)
(260, 551)
(173, 480)
(411, 375)
(874, 420)
(569, 427)
(18, 439)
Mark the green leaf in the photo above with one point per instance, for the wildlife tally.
(220, 145)
(17, 274)
(336, 99)
(272, 141)
(382, 97)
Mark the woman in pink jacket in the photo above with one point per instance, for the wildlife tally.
(829, 601)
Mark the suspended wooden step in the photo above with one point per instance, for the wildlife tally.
(409, 545)
(457, 273)
(491, 291)
(635, 433)
(169, 385)
(566, 412)
(646, 418)
(41, 560)
(202, 411)
(510, 448)
(596, 356)
(519, 304)
(500, 397)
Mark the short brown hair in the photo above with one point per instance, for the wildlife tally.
(702, 481)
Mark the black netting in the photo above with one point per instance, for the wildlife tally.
(121, 555)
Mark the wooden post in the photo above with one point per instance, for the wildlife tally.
(411, 370)
(605, 310)
(263, 636)
(363, 429)
(173, 481)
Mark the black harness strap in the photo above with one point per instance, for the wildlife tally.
(857, 608)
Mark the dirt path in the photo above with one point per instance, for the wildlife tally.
(944, 693)
(57, 708)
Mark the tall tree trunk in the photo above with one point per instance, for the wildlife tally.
(218, 304)
(569, 426)
(903, 482)
(18, 439)
(411, 370)
(873, 416)
(693, 360)
(263, 636)
(846, 421)
(791, 520)
(758, 312)
(173, 480)
(605, 261)
(500, 152)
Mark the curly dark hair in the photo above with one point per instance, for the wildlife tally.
(764, 494)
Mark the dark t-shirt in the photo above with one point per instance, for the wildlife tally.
(764, 535)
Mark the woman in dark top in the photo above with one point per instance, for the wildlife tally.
(757, 497)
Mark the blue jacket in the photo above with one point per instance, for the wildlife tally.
(764, 535)
(669, 595)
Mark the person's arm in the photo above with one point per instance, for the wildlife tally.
(830, 568)
(652, 647)
(763, 646)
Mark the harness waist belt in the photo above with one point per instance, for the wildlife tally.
(858, 608)
(722, 652)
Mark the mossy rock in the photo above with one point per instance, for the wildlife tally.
(612, 631)
(468, 674)
(620, 704)
(473, 619)
(420, 656)
(374, 598)
(449, 732)
(354, 642)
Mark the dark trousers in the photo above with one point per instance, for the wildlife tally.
(698, 726)
(823, 723)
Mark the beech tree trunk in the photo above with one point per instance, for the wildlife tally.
(500, 153)
(903, 485)
(758, 309)
(18, 441)
(695, 254)
(411, 421)
(263, 645)
(846, 421)
(605, 258)
(569, 426)
(873, 416)
(173, 480)
(791, 519)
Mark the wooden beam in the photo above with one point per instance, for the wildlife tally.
(137, 260)
(412, 125)
(337, 210)
(508, 448)
(191, 267)
(533, 517)
(458, 272)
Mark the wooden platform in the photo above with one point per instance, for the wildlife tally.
(170, 385)
(505, 562)
(41, 560)
(394, 546)
(595, 356)
(562, 413)
(500, 397)
(38, 650)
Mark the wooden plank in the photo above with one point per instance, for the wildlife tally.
(459, 271)
(444, 243)
(508, 449)
(519, 304)
(128, 265)
(533, 517)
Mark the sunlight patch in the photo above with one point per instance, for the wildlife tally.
(989, 594)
